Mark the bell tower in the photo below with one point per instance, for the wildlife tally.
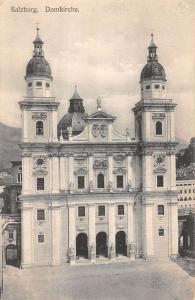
(39, 109)
(155, 133)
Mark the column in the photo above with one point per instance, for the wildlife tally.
(173, 228)
(56, 236)
(70, 173)
(173, 171)
(111, 231)
(25, 126)
(27, 236)
(130, 172)
(54, 127)
(26, 174)
(72, 234)
(130, 232)
(62, 173)
(172, 124)
(110, 171)
(147, 171)
(90, 172)
(55, 173)
(149, 237)
(92, 235)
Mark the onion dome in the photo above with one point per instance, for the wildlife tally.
(38, 65)
(74, 117)
(153, 69)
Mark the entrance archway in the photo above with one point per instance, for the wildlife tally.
(11, 255)
(121, 248)
(81, 245)
(101, 244)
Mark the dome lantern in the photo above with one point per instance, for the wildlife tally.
(153, 77)
(38, 72)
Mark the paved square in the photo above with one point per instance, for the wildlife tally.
(137, 280)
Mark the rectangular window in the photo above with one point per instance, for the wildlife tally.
(189, 191)
(11, 234)
(121, 210)
(81, 211)
(119, 179)
(180, 191)
(161, 232)
(40, 214)
(40, 184)
(19, 177)
(101, 211)
(185, 191)
(81, 182)
(41, 238)
(161, 210)
(18, 197)
(160, 181)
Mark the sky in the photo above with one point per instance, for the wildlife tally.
(102, 48)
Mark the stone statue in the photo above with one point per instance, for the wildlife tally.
(99, 103)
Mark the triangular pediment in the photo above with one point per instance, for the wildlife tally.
(100, 115)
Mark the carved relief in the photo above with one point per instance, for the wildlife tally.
(39, 116)
(119, 157)
(160, 163)
(119, 171)
(100, 164)
(80, 171)
(99, 129)
(39, 172)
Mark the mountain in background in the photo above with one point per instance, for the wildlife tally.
(10, 137)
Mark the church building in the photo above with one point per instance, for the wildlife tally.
(88, 191)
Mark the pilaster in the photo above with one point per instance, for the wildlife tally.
(72, 234)
(55, 173)
(148, 234)
(63, 171)
(92, 235)
(112, 231)
(130, 231)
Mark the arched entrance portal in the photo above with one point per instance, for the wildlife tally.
(101, 244)
(11, 255)
(121, 248)
(81, 245)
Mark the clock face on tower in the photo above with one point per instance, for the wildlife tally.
(39, 162)
(159, 160)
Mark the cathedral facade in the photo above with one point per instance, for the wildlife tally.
(88, 191)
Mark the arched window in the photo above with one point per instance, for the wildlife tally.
(158, 128)
(100, 181)
(39, 128)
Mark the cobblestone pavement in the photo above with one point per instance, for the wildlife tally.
(138, 280)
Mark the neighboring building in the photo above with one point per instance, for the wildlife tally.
(12, 191)
(11, 216)
(185, 183)
(89, 191)
(187, 233)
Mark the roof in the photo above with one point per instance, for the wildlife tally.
(38, 66)
(153, 70)
(100, 115)
(76, 95)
